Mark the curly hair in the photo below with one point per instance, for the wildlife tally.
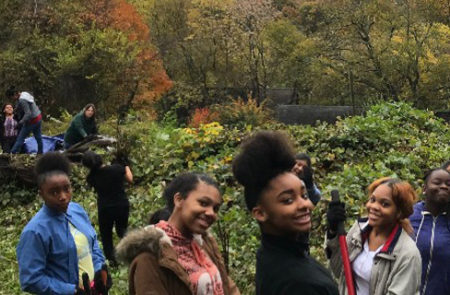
(184, 184)
(403, 196)
(52, 163)
(263, 156)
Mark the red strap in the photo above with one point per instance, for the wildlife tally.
(35, 120)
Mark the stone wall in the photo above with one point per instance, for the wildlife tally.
(310, 114)
(444, 115)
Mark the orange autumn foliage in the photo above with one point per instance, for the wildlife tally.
(147, 67)
(202, 116)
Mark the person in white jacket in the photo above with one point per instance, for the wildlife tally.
(30, 119)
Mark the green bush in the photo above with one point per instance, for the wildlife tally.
(392, 139)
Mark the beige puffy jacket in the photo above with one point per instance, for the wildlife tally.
(396, 268)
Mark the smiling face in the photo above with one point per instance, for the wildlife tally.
(56, 192)
(198, 211)
(8, 110)
(284, 207)
(382, 211)
(437, 188)
(298, 167)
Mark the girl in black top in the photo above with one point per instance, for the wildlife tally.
(278, 200)
(112, 202)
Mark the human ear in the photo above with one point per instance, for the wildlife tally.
(178, 200)
(259, 214)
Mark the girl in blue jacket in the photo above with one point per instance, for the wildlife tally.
(59, 246)
(431, 224)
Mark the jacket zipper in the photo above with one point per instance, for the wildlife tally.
(431, 256)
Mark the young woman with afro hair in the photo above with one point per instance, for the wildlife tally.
(278, 200)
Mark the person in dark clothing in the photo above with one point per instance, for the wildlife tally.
(29, 119)
(279, 201)
(82, 125)
(112, 202)
(8, 128)
(304, 171)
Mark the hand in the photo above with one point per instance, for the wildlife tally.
(102, 281)
(80, 291)
(307, 177)
(335, 214)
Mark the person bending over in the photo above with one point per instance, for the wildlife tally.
(82, 125)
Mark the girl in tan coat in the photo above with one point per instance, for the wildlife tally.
(383, 256)
(178, 256)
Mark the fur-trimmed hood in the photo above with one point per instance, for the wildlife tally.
(148, 239)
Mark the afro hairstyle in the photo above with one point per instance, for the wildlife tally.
(50, 164)
(263, 156)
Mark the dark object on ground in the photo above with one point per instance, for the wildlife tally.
(50, 144)
(21, 166)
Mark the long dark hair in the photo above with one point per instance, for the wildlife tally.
(184, 184)
(89, 105)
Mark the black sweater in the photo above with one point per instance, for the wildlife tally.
(283, 267)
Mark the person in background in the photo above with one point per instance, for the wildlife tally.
(304, 171)
(446, 166)
(112, 202)
(383, 257)
(278, 200)
(431, 224)
(8, 128)
(179, 256)
(82, 125)
(59, 246)
(158, 215)
(29, 119)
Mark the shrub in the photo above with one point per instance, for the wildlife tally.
(241, 113)
(202, 116)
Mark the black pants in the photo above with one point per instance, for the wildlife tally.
(108, 217)
(7, 144)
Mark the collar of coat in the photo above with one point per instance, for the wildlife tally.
(148, 239)
(156, 242)
(388, 246)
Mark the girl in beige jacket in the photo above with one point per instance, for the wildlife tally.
(383, 256)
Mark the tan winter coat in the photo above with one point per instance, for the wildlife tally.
(154, 268)
(396, 269)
